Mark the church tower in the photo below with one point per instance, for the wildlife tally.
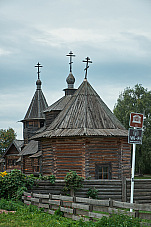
(34, 118)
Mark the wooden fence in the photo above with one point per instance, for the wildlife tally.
(118, 190)
(85, 208)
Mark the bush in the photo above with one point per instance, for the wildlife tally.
(51, 178)
(93, 193)
(118, 220)
(73, 181)
(13, 184)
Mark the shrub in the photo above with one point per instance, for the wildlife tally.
(118, 220)
(13, 184)
(73, 181)
(93, 193)
(51, 178)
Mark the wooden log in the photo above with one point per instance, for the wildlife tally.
(97, 215)
(27, 194)
(51, 211)
(56, 202)
(80, 206)
(93, 201)
(67, 210)
(35, 200)
(43, 205)
(27, 202)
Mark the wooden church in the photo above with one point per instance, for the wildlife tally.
(33, 121)
(78, 132)
(83, 135)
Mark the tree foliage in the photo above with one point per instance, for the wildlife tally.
(138, 100)
(6, 137)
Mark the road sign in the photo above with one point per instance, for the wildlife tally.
(136, 120)
(135, 136)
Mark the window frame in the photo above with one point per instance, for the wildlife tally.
(103, 166)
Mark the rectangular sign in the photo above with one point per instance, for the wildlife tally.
(136, 120)
(135, 136)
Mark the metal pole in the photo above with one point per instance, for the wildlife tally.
(132, 176)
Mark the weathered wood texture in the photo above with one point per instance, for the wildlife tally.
(11, 158)
(115, 189)
(83, 154)
(50, 116)
(142, 190)
(77, 207)
(27, 165)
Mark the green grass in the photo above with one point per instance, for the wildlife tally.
(145, 176)
(32, 216)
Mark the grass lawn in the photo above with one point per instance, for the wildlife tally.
(32, 216)
(145, 176)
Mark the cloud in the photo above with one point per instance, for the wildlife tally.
(4, 52)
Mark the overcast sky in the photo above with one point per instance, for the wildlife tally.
(115, 34)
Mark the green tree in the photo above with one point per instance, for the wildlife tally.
(138, 100)
(6, 137)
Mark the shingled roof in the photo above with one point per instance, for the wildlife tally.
(37, 105)
(30, 148)
(85, 115)
(17, 143)
(59, 104)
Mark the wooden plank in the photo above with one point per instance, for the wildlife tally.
(27, 202)
(51, 211)
(93, 201)
(44, 196)
(43, 205)
(97, 215)
(67, 210)
(80, 206)
(56, 202)
(67, 198)
(35, 200)
(82, 212)
(100, 208)
(76, 218)
(134, 206)
(67, 204)
(117, 211)
(27, 194)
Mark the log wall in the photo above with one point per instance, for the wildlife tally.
(83, 154)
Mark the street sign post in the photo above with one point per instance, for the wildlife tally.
(134, 137)
(136, 120)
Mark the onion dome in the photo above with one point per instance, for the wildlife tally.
(70, 80)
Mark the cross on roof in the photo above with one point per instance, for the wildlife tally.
(86, 69)
(38, 66)
(70, 63)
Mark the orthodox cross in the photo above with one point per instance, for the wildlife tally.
(70, 63)
(86, 69)
(38, 66)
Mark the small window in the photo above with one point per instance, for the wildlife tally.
(30, 123)
(41, 124)
(36, 124)
(103, 171)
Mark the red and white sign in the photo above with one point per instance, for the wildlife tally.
(136, 120)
